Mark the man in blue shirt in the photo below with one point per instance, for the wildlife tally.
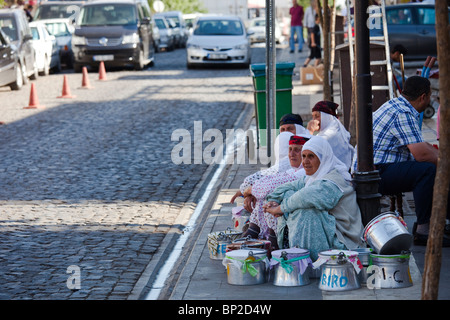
(404, 160)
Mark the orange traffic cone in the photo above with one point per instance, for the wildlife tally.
(85, 84)
(102, 71)
(66, 90)
(34, 102)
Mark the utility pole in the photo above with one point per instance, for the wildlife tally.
(270, 74)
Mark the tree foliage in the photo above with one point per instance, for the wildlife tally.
(185, 6)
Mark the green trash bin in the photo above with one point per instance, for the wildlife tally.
(283, 94)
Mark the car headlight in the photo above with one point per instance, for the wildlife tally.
(193, 46)
(241, 47)
(130, 38)
(77, 40)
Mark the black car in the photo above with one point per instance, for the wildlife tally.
(117, 32)
(10, 69)
(413, 26)
(14, 24)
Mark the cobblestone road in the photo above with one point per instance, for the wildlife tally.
(89, 182)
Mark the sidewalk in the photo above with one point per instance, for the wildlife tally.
(205, 279)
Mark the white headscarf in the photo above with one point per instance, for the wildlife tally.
(302, 131)
(337, 136)
(328, 160)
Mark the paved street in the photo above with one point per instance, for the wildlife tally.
(88, 190)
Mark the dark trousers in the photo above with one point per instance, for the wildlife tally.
(414, 176)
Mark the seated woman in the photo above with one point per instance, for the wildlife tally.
(318, 211)
(263, 225)
(326, 125)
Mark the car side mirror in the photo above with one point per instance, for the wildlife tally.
(146, 20)
(27, 37)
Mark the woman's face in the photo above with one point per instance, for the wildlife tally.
(310, 162)
(316, 116)
(295, 155)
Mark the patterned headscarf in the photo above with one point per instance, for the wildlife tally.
(327, 107)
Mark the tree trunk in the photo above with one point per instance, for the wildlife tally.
(433, 256)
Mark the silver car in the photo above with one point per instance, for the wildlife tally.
(218, 40)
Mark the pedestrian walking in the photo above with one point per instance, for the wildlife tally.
(310, 17)
(314, 45)
(297, 14)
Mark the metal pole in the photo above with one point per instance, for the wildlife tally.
(270, 73)
(366, 178)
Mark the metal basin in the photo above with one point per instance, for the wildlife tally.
(386, 234)
(338, 270)
(392, 272)
(246, 267)
(217, 242)
(290, 267)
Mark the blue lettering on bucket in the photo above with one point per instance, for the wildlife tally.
(334, 281)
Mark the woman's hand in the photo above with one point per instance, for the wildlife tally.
(313, 126)
(237, 194)
(273, 208)
(249, 203)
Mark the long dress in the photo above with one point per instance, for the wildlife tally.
(322, 216)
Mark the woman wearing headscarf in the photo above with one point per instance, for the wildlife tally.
(262, 224)
(319, 210)
(325, 124)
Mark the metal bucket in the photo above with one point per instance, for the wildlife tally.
(364, 257)
(217, 242)
(386, 234)
(290, 267)
(392, 272)
(338, 270)
(246, 267)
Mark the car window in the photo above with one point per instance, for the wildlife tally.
(9, 27)
(56, 11)
(3, 41)
(58, 29)
(259, 23)
(35, 33)
(219, 27)
(399, 16)
(107, 14)
(427, 16)
(160, 24)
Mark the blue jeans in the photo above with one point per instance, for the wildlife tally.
(299, 31)
(414, 176)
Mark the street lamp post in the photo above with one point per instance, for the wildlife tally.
(366, 177)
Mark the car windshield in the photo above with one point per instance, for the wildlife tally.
(56, 11)
(58, 29)
(9, 28)
(175, 19)
(160, 23)
(259, 23)
(108, 14)
(218, 27)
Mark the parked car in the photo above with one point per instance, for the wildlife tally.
(181, 31)
(11, 73)
(62, 29)
(166, 37)
(218, 39)
(189, 19)
(47, 51)
(413, 26)
(258, 31)
(116, 32)
(58, 10)
(14, 24)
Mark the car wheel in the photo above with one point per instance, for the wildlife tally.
(18, 83)
(139, 65)
(429, 112)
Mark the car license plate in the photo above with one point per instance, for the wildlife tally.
(104, 57)
(218, 56)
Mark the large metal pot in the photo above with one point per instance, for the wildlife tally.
(217, 242)
(339, 270)
(290, 267)
(246, 267)
(393, 271)
(386, 234)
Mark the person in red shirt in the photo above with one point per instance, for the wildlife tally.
(296, 12)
